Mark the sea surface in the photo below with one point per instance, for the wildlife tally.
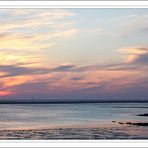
(44, 116)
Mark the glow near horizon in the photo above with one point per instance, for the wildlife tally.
(73, 53)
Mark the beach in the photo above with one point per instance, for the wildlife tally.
(79, 133)
(73, 121)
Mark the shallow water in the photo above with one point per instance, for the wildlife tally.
(33, 116)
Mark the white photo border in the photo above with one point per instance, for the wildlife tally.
(73, 4)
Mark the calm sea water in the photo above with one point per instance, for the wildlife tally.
(14, 116)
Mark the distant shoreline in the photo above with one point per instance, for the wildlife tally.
(68, 102)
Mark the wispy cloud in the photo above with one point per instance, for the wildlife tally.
(27, 33)
(138, 55)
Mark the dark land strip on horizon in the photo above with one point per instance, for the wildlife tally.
(70, 102)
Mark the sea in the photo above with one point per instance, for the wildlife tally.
(43, 116)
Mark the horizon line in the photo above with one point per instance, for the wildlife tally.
(71, 102)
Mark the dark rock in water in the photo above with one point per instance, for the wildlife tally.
(129, 123)
(113, 121)
(143, 115)
(121, 123)
(140, 124)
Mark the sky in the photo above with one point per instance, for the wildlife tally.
(83, 54)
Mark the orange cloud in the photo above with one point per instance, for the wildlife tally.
(94, 78)
(17, 80)
(5, 93)
(131, 58)
(134, 50)
(60, 79)
(21, 42)
(13, 81)
(12, 58)
(133, 53)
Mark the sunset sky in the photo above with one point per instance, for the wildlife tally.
(73, 54)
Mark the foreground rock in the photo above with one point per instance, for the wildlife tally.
(143, 115)
(138, 123)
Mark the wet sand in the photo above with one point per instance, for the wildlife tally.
(112, 131)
